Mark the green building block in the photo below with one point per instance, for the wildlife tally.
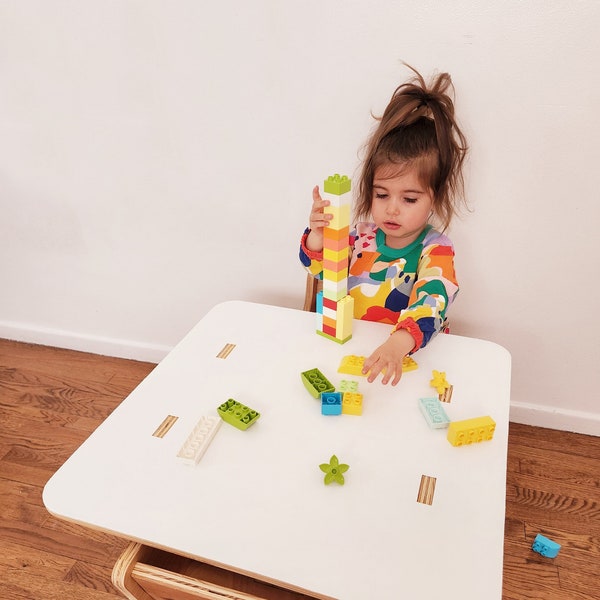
(337, 184)
(334, 471)
(237, 414)
(316, 383)
(348, 386)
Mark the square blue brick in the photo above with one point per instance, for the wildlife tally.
(331, 403)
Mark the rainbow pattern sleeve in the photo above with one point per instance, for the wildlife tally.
(312, 261)
(434, 289)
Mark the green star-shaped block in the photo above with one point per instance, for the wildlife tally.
(334, 471)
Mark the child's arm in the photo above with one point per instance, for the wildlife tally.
(432, 294)
(434, 290)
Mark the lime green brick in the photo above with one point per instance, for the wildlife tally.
(337, 184)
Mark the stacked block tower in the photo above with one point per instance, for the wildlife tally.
(335, 308)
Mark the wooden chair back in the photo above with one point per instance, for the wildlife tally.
(313, 286)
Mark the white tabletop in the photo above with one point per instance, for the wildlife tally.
(257, 503)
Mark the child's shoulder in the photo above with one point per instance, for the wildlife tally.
(364, 236)
(363, 229)
(437, 238)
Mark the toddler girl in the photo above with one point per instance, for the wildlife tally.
(401, 269)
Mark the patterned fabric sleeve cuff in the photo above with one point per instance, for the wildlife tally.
(411, 326)
(310, 253)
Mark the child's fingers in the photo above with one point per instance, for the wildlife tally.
(318, 218)
(371, 368)
(397, 370)
(378, 363)
(316, 195)
(398, 376)
(318, 202)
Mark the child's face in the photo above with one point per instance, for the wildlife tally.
(401, 205)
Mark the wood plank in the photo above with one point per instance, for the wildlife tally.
(579, 586)
(22, 502)
(60, 362)
(112, 545)
(556, 495)
(66, 544)
(525, 577)
(35, 562)
(556, 465)
(62, 395)
(90, 576)
(548, 519)
(18, 584)
(551, 439)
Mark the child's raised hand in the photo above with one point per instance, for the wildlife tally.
(317, 221)
(389, 356)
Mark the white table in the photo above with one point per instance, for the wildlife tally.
(256, 503)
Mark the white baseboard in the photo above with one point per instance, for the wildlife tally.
(555, 418)
(85, 343)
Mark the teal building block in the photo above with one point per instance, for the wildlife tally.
(434, 413)
(331, 403)
(337, 184)
(316, 383)
(544, 546)
(237, 414)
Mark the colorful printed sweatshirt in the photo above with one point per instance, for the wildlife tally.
(410, 288)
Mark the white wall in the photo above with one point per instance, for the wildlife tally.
(157, 158)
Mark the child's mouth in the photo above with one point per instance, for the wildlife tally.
(392, 225)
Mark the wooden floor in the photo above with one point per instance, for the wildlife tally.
(51, 400)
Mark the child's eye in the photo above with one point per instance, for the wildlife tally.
(380, 196)
(410, 200)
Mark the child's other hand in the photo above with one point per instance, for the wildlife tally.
(389, 357)
(317, 221)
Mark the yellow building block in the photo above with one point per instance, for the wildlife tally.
(439, 381)
(409, 364)
(352, 403)
(330, 275)
(352, 365)
(341, 216)
(345, 316)
(335, 255)
(470, 431)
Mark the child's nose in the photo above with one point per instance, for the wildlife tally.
(393, 207)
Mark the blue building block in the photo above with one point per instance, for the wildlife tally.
(434, 413)
(331, 403)
(542, 545)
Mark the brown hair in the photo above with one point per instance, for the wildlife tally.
(418, 129)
